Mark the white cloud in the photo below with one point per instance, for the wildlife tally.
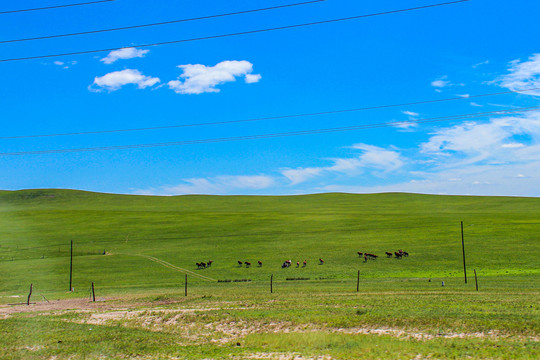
(198, 78)
(440, 82)
(372, 157)
(477, 141)
(124, 54)
(470, 180)
(410, 113)
(522, 75)
(115, 80)
(379, 158)
(64, 65)
(472, 103)
(252, 78)
(480, 63)
(513, 145)
(297, 176)
(219, 185)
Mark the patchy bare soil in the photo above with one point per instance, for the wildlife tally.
(190, 324)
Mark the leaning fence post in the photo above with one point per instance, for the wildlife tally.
(28, 300)
(93, 293)
(271, 280)
(476, 279)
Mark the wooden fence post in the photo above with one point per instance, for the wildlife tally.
(476, 279)
(30, 294)
(271, 281)
(93, 293)
(185, 287)
(358, 282)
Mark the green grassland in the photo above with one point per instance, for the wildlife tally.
(400, 311)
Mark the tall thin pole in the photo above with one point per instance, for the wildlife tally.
(475, 279)
(71, 266)
(271, 281)
(93, 293)
(463, 248)
(358, 282)
(185, 286)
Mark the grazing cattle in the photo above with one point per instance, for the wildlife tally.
(365, 258)
(260, 263)
(298, 264)
(371, 256)
(209, 263)
(321, 262)
(405, 253)
(240, 263)
(398, 255)
(248, 264)
(304, 263)
(360, 254)
(285, 264)
(388, 254)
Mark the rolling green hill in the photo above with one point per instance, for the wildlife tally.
(139, 249)
(502, 237)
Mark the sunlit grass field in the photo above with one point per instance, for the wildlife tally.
(139, 249)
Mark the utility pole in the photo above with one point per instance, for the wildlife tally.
(71, 266)
(463, 248)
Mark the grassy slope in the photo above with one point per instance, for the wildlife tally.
(501, 239)
(36, 226)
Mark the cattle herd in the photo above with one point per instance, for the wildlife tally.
(287, 263)
(204, 265)
(398, 254)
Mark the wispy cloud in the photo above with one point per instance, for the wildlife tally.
(480, 63)
(371, 158)
(124, 54)
(115, 80)
(218, 185)
(410, 113)
(440, 82)
(64, 64)
(522, 75)
(198, 78)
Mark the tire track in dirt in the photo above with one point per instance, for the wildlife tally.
(171, 266)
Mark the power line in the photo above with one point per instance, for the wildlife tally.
(162, 23)
(237, 33)
(274, 135)
(55, 7)
(265, 118)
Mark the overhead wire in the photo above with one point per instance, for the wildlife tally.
(236, 33)
(269, 117)
(162, 23)
(274, 135)
(55, 6)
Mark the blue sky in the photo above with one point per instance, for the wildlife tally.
(459, 50)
